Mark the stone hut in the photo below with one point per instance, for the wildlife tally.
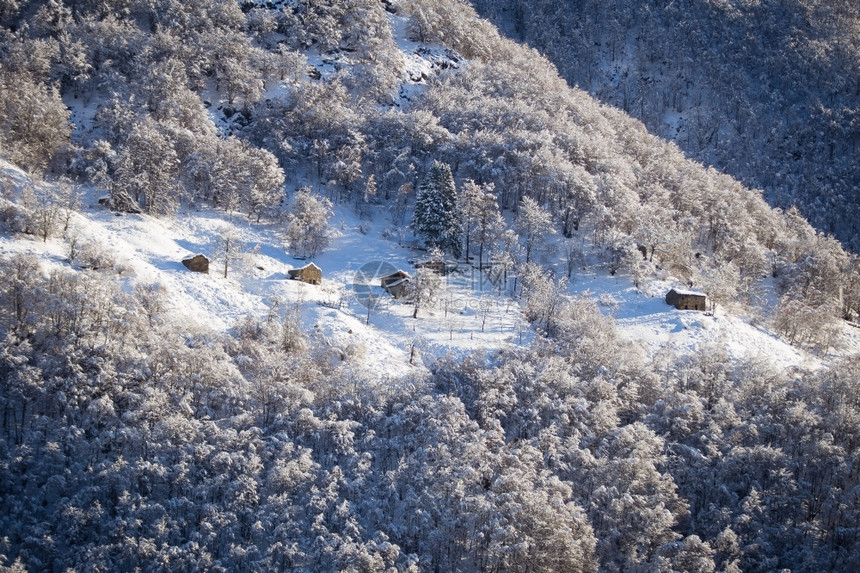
(197, 263)
(310, 273)
(395, 283)
(686, 299)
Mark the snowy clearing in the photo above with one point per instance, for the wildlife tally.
(468, 312)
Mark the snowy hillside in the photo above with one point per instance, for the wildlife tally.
(758, 90)
(468, 314)
(481, 372)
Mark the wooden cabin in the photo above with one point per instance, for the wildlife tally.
(310, 273)
(396, 283)
(686, 299)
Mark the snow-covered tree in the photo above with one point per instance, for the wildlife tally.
(35, 122)
(363, 200)
(721, 285)
(436, 218)
(145, 172)
(42, 211)
(307, 231)
(265, 182)
(482, 222)
(542, 296)
(230, 249)
(533, 224)
(423, 288)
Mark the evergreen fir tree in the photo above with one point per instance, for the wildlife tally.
(436, 219)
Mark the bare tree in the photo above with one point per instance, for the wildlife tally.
(423, 288)
(230, 248)
(42, 210)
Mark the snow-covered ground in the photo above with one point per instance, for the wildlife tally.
(468, 314)
(643, 316)
(148, 250)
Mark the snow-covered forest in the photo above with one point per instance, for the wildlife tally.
(766, 91)
(523, 400)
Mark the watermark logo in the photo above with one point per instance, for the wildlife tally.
(367, 283)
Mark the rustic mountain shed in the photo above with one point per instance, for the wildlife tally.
(395, 283)
(310, 273)
(686, 299)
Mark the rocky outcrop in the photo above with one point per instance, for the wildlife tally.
(197, 263)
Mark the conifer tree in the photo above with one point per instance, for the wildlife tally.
(436, 219)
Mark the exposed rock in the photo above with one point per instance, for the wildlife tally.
(197, 263)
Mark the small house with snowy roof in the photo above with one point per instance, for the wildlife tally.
(395, 283)
(686, 299)
(310, 273)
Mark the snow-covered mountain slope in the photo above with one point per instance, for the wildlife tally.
(757, 89)
(643, 316)
(468, 313)
(241, 420)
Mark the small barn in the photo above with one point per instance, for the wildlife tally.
(395, 283)
(310, 273)
(686, 299)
